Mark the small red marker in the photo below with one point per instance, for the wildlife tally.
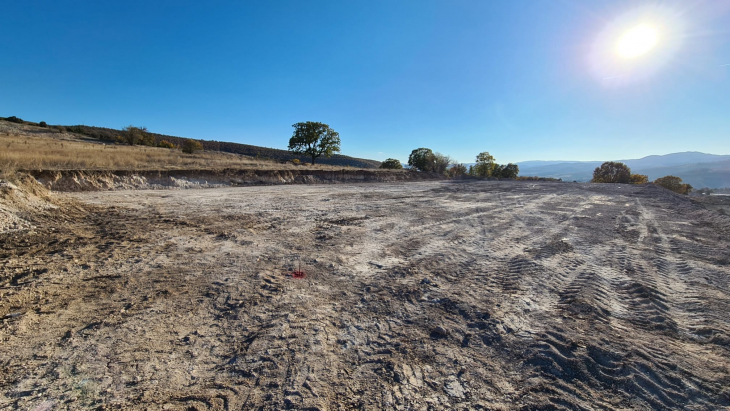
(299, 273)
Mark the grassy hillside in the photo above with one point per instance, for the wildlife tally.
(110, 135)
(33, 148)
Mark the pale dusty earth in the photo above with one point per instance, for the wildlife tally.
(428, 295)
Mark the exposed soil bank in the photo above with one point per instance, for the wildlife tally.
(94, 180)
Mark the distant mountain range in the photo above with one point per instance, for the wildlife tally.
(697, 169)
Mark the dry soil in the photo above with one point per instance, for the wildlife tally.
(430, 295)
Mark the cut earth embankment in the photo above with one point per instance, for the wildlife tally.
(94, 180)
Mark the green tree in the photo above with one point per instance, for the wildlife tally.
(190, 146)
(422, 159)
(638, 179)
(441, 163)
(673, 183)
(612, 172)
(457, 170)
(485, 165)
(137, 136)
(391, 164)
(506, 171)
(314, 139)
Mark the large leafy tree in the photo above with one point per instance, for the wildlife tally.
(137, 135)
(422, 159)
(391, 164)
(485, 165)
(612, 172)
(314, 139)
(441, 163)
(506, 171)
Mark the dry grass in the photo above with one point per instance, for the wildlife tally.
(65, 152)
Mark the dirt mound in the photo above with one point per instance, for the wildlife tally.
(21, 196)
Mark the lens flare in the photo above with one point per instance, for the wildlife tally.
(636, 44)
(637, 41)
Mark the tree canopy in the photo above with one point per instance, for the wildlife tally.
(638, 179)
(673, 183)
(612, 172)
(485, 165)
(457, 170)
(190, 146)
(441, 163)
(422, 159)
(391, 164)
(314, 139)
(137, 136)
(506, 171)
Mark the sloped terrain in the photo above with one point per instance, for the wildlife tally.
(108, 135)
(432, 295)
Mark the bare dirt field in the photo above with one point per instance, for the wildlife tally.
(428, 295)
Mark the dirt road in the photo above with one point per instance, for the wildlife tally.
(434, 295)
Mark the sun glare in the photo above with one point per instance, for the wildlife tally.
(636, 44)
(637, 41)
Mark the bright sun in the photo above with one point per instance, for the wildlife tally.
(637, 41)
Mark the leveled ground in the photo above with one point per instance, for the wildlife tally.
(434, 295)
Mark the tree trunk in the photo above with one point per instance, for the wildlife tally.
(313, 157)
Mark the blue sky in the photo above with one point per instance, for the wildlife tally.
(524, 80)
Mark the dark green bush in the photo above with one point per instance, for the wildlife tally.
(391, 164)
(190, 146)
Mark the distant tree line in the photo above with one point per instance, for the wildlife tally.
(616, 172)
(425, 160)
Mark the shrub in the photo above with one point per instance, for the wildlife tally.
(457, 170)
(673, 183)
(638, 179)
(166, 144)
(612, 172)
(391, 164)
(296, 162)
(14, 119)
(190, 146)
(42, 124)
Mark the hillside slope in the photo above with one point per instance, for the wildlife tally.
(110, 135)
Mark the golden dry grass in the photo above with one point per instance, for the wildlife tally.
(62, 152)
